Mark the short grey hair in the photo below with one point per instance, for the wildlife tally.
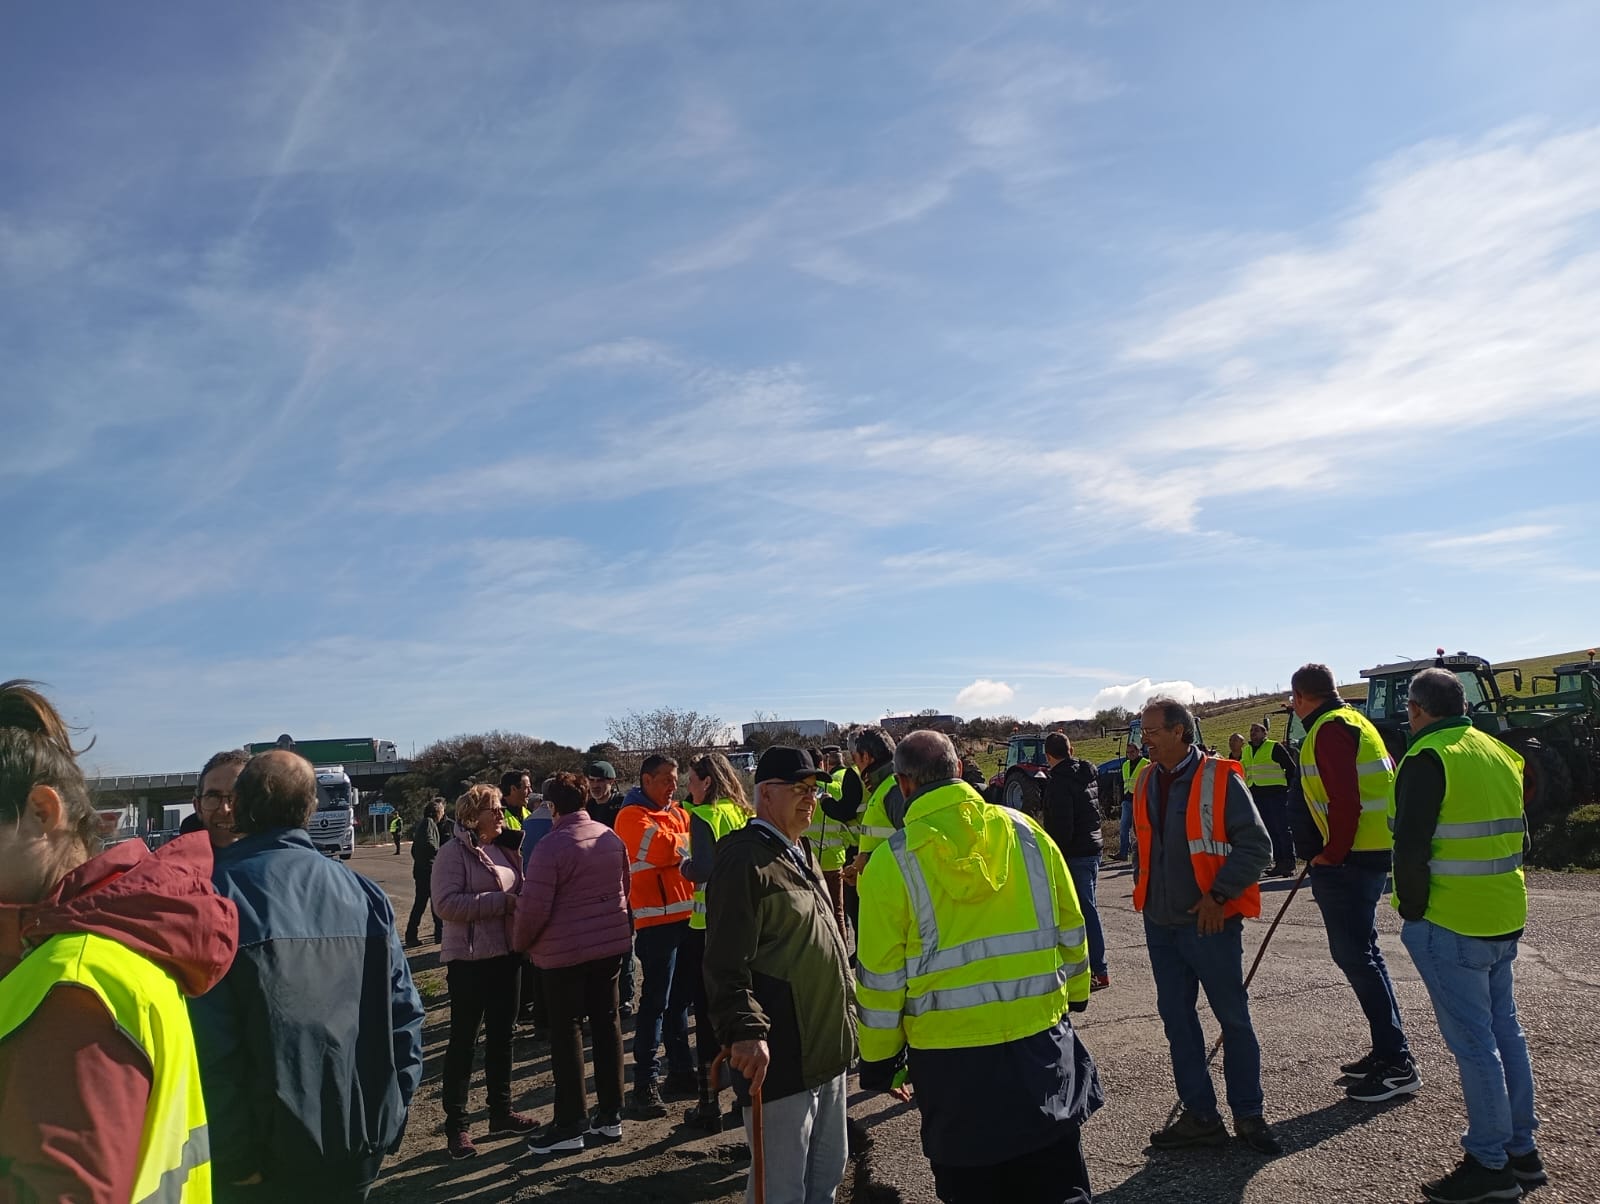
(927, 757)
(1173, 714)
(1439, 693)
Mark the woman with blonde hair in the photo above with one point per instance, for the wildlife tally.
(100, 1095)
(717, 807)
(475, 886)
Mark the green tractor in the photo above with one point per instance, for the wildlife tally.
(1555, 733)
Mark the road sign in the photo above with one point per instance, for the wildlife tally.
(380, 809)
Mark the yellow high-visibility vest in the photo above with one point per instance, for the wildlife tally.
(145, 1003)
(1475, 882)
(1374, 773)
(1260, 767)
(722, 817)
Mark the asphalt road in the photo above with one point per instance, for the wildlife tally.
(1305, 1015)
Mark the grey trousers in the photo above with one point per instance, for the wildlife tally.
(804, 1143)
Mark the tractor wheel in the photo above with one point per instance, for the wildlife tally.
(1546, 784)
(1022, 794)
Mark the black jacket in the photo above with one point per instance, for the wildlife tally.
(424, 846)
(1072, 808)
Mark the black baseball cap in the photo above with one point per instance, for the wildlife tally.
(781, 763)
(600, 769)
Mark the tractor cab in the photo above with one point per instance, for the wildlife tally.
(1388, 687)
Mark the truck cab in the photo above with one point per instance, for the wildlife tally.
(332, 826)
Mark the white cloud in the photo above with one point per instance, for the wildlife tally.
(1458, 294)
(984, 694)
(1132, 696)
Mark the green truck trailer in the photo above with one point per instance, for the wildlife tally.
(353, 751)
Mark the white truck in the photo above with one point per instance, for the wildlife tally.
(333, 823)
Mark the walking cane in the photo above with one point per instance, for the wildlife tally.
(1217, 1044)
(758, 1153)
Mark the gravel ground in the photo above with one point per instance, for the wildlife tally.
(1305, 1015)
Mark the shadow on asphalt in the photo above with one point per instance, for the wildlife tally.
(431, 1175)
(1227, 1171)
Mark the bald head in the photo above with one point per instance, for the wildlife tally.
(925, 758)
(277, 789)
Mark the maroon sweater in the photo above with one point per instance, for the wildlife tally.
(74, 1087)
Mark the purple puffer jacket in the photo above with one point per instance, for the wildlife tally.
(574, 905)
(470, 900)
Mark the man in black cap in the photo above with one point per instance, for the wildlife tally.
(778, 980)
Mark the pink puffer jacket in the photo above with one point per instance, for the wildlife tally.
(470, 899)
(574, 905)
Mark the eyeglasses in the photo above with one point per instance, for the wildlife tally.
(212, 799)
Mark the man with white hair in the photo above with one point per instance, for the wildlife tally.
(778, 983)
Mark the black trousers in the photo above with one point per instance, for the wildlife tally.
(482, 994)
(1054, 1175)
(531, 1005)
(419, 904)
(690, 954)
(571, 993)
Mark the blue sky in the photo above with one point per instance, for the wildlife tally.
(404, 370)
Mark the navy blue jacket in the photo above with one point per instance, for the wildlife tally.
(311, 1046)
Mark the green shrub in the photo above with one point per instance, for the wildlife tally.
(1569, 841)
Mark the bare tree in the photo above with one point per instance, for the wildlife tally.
(679, 734)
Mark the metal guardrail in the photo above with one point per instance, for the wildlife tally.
(161, 781)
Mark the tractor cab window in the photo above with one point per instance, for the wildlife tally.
(1472, 686)
(1378, 699)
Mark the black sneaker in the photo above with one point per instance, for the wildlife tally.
(1528, 1168)
(1256, 1134)
(1395, 1079)
(604, 1127)
(1363, 1066)
(556, 1139)
(1471, 1182)
(644, 1103)
(1189, 1131)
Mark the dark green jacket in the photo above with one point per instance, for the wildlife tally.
(775, 966)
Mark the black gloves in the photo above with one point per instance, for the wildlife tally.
(879, 1076)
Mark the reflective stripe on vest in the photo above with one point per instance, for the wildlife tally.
(1130, 770)
(174, 1164)
(1374, 779)
(1475, 882)
(682, 908)
(1260, 767)
(1205, 831)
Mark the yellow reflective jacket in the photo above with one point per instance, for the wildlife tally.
(971, 932)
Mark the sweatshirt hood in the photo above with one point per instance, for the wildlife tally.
(969, 838)
(161, 905)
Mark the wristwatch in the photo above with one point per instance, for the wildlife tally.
(1220, 899)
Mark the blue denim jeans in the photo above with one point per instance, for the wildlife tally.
(1125, 849)
(1183, 961)
(1085, 873)
(804, 1143)
(1469, 981)
(663, 1003)
(1348, 896)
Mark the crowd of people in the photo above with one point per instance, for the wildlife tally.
(245, 1023)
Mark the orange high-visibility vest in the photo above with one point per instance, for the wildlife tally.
(1207, 830)
(657, 842)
